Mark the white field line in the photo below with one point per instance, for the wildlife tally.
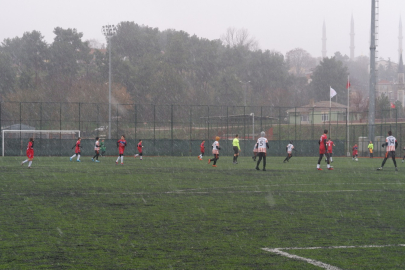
(189, 192)
(214, 190)
(318, 263)
(291, 256)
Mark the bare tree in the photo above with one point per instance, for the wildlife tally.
(95, 44)
(239, 38)
(300, 61)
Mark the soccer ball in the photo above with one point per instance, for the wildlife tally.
(356, 159)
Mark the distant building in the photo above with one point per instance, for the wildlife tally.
(317, 113)
(394, 90)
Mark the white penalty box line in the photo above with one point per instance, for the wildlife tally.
(279, 251)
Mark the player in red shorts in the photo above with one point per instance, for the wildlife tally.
(121, 148)
(30, 153)
(202, 150)
(323, 151)
(77, 150)
(355, 152)
(139, 146)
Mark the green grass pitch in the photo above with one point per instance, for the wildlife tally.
(181, 213)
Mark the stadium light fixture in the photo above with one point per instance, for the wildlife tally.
(109, 31)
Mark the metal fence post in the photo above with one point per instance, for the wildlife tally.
(261, 118)
(171, 126)
(136, 119)
(191, 122)
(347, 133)
(244, 127)
(79, 116)
(60, 128)
(295, 124)
(208, 122)
(20, 132)
(279, 124)
(40, 117)
(227, 121)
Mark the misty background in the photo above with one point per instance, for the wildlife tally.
(264, 53)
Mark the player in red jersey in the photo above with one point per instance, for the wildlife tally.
(330, 145)
(355, 152)
(323, 151)
(202, 150)
(139, 146)
(121, 148)
(30, 153)
(77, 150)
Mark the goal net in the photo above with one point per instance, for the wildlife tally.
(47, 142)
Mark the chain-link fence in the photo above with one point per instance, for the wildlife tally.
(179, 129)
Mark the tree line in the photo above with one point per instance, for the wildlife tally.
(170, 67)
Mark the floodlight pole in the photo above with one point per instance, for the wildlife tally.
(371, 107)
(109, 31)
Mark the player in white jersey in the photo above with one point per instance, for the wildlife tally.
(96, 150)
(262, 143)
(289, 148)
(215, 151)
(391, 144)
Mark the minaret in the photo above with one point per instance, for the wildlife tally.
(400, 38)
(352, 39)
(401, 86)
(401, 71)
(323, 40)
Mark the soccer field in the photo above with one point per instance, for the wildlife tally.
(181, 213)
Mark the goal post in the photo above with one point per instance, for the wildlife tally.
(49, 134)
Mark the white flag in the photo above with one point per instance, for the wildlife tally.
(332, 92)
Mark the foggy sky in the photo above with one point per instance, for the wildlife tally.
(279, 25)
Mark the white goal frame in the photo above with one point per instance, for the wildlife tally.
(4, 131)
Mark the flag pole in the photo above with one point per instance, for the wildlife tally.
(330, 97)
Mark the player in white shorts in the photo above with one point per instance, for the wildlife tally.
(215, 151)
(289, 148)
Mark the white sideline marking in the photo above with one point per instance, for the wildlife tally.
(200, 192)
(315, 262)
(291, 256)
(191, 192)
